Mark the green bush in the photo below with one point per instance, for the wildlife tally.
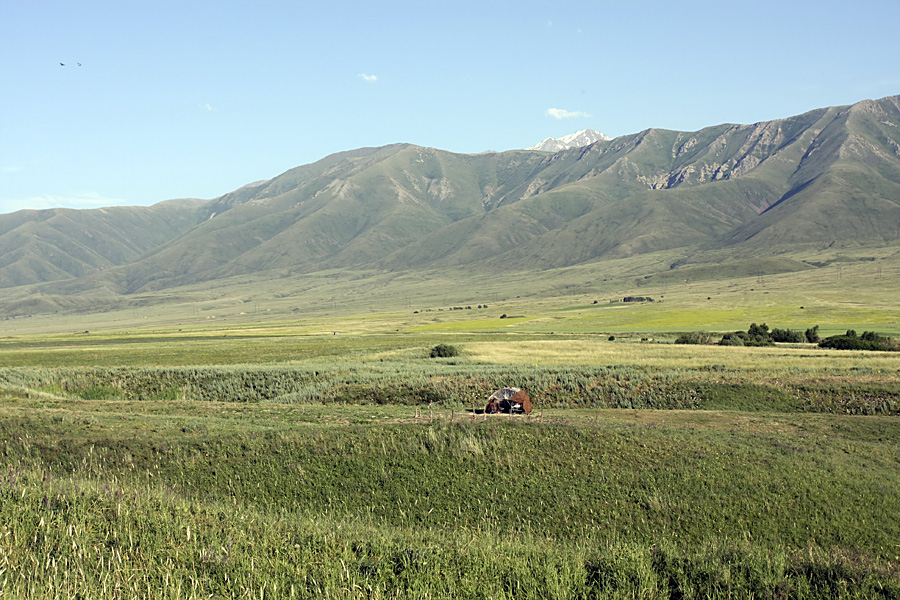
(695, 337)
(756, 335)
(444, 351)
(787, 336)
(869, 340)
(733, 339)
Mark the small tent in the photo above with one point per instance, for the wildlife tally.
(509, 400)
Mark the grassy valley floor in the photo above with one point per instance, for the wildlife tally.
(171, 464)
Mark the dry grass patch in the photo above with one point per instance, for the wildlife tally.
(600, 352)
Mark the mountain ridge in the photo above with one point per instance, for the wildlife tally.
(828, 176)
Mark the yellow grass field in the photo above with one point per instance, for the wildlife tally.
(760, 359)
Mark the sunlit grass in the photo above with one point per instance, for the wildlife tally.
(603, 352)
(473, 325)
(856, 292)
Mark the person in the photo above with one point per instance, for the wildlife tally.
(493, 407)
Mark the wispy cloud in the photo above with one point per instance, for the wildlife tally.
(368, 78)
(561, 113)
(9, 169)
(209, 107)
(83, 200)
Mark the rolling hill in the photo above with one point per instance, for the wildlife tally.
(49, 245)
(827, 178)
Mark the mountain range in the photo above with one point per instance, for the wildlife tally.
(826, 178)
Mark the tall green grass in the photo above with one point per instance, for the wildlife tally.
(106, 507)
(460, 384)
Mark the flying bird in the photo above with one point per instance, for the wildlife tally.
(62, 64)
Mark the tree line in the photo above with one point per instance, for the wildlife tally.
(761, 335)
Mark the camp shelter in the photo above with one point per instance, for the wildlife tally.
(509, 400)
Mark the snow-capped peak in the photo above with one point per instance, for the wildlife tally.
(585, 137)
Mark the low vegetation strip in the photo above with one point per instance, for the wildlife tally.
(462, 385)
(102, 504)
(760, 335)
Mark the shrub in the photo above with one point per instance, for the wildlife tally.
(733, 339)
(869, 340)
(812, 335)
(787, 335)
(444, 351)
(758, 332)
(756, 335)
(694, 337)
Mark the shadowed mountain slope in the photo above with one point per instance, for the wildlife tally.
(59, 244)
(846, 187)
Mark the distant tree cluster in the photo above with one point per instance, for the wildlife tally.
(869, 340)
(760, 335)
(756, 335)
(637, 299)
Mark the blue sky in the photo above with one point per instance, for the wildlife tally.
(197, 98)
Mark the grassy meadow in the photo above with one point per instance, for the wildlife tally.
(325, 455)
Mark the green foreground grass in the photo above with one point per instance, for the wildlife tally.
(102, 499)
